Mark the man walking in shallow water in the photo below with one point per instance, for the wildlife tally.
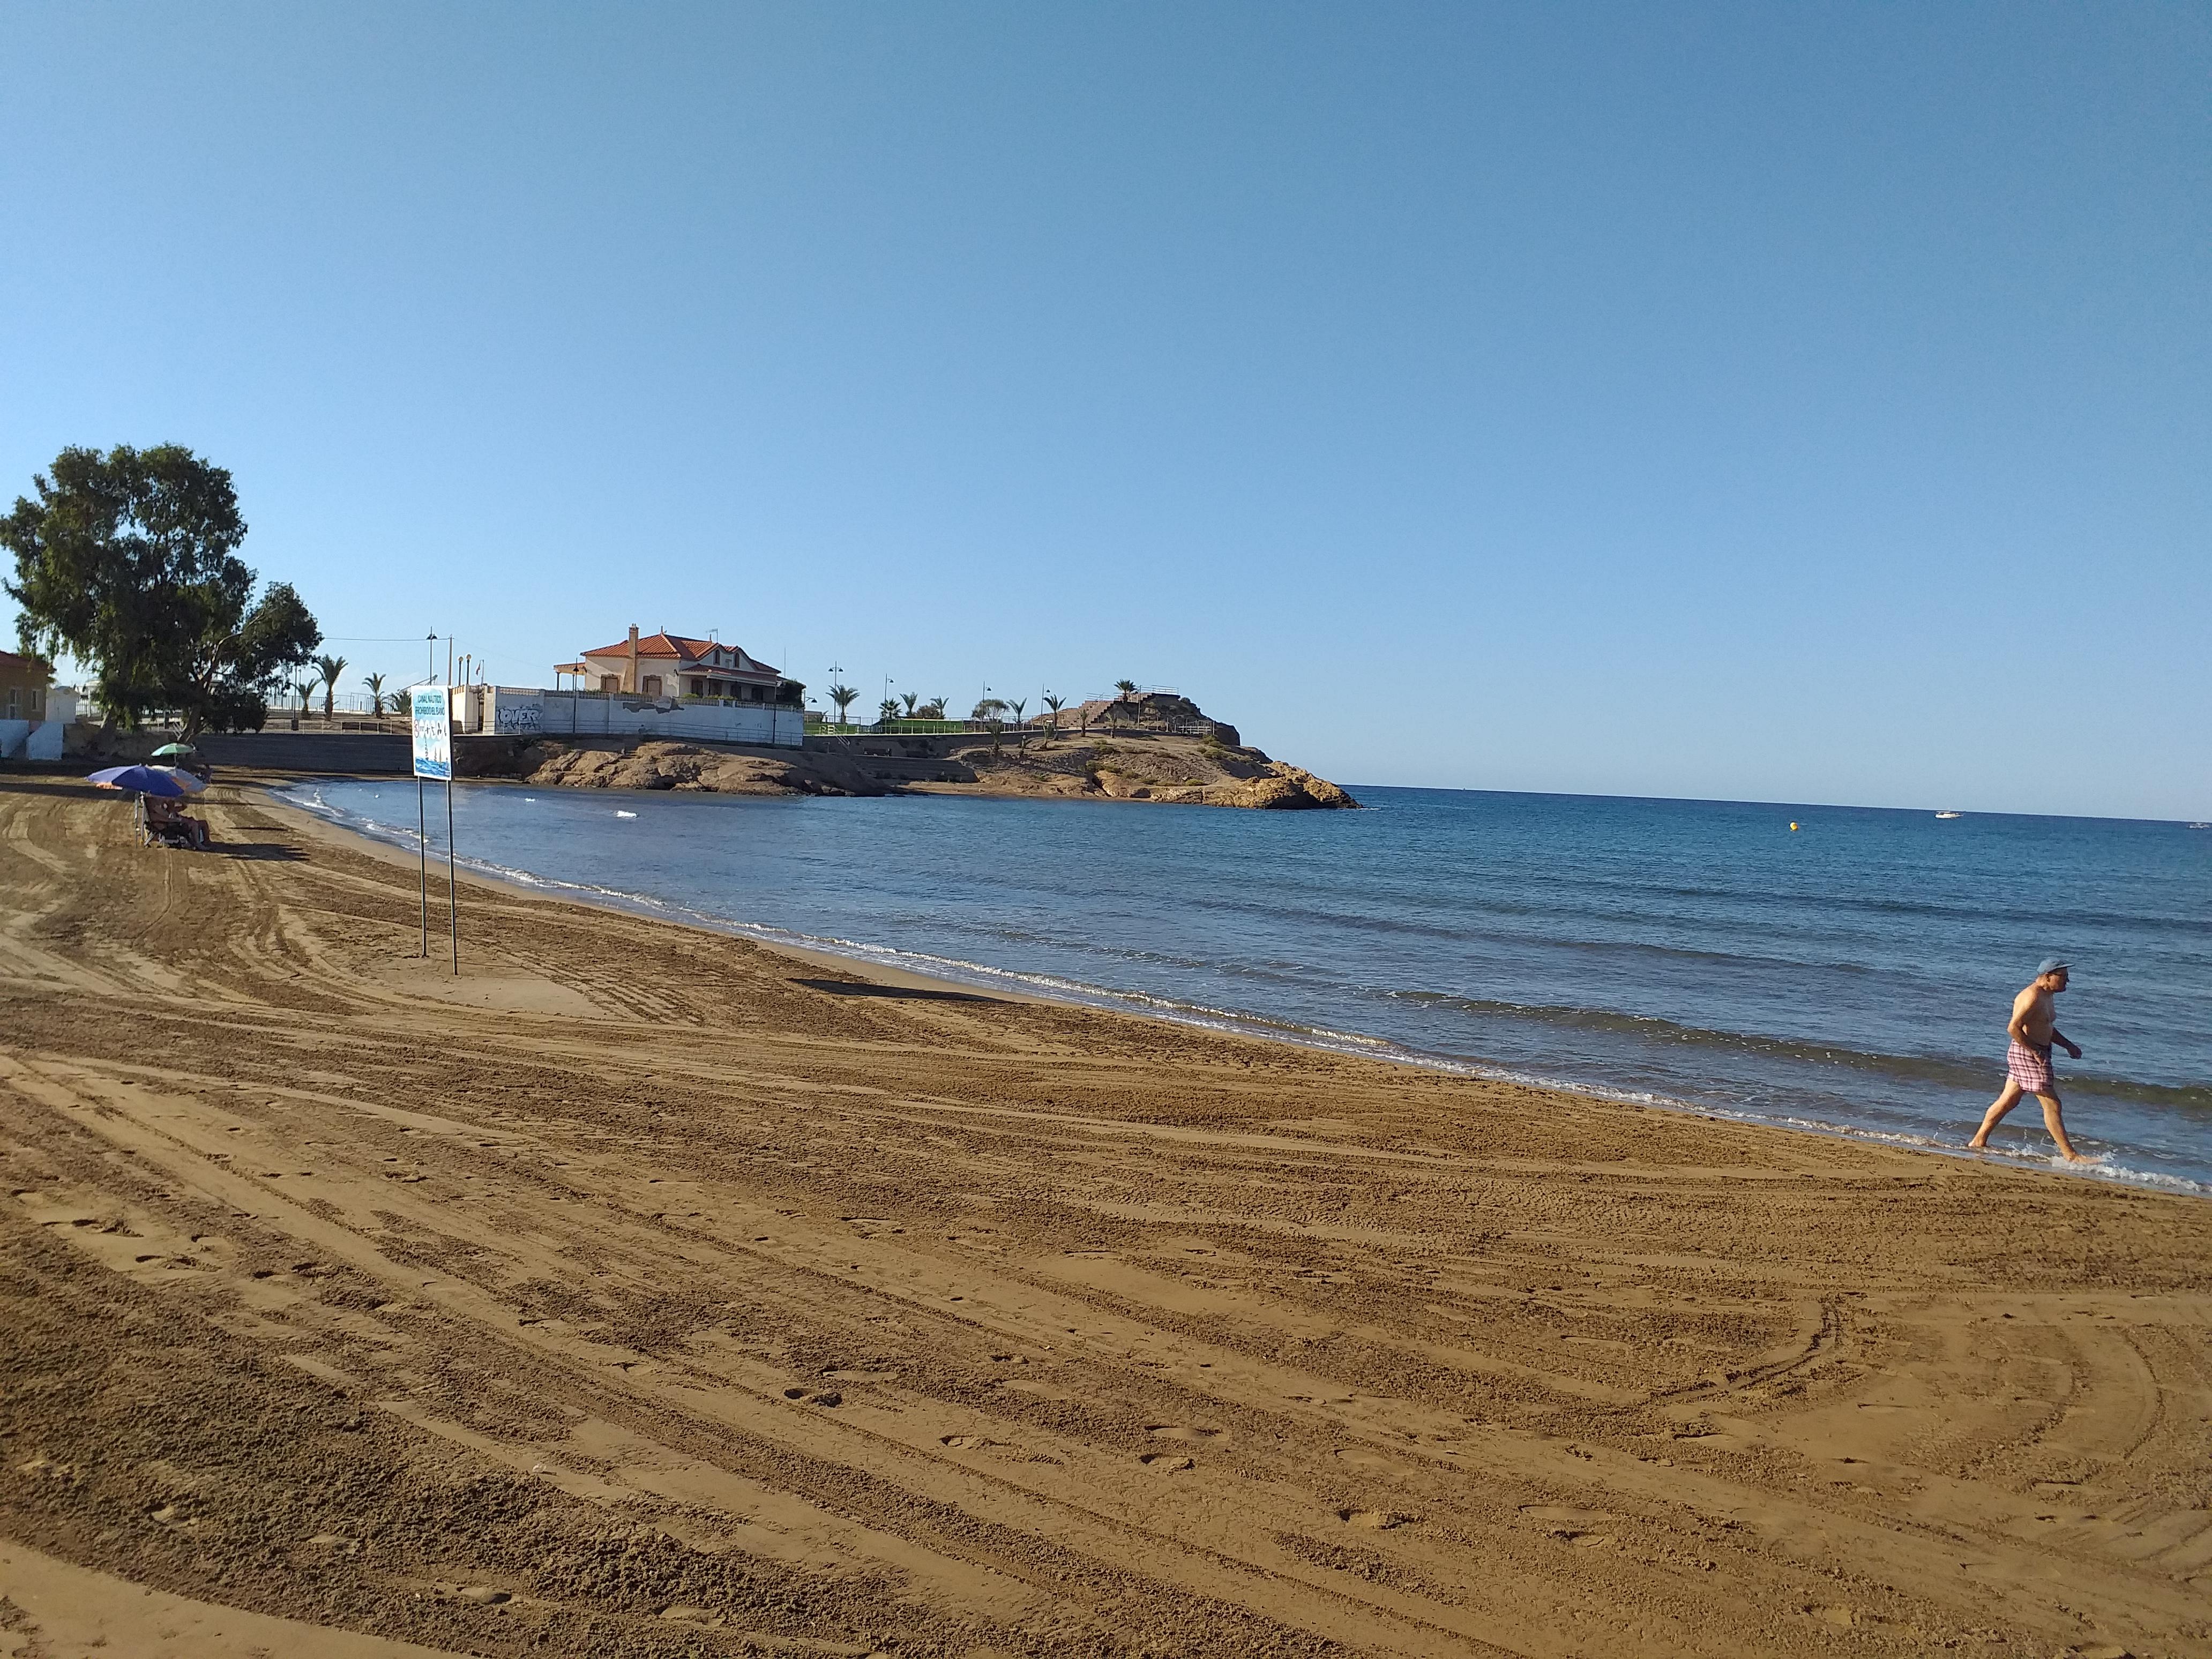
(2033, 1028)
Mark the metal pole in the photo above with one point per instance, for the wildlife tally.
(452, 881)
(422, 854)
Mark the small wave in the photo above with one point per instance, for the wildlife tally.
(2104, 1166)
(1952, 1070)
(1589, 899)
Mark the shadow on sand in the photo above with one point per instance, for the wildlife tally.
(278, 851)
(852, 987)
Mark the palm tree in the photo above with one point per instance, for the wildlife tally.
(1125, 698)
(887, 711)
(1054, 702)
(992, 711)
(842, 696)
(375, 684)
(330, 668)
(912, 700)
(1018, 705)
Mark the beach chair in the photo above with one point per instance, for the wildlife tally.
(163, 832)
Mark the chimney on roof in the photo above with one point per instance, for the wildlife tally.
(632, 687)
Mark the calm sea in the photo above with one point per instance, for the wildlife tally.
(1853, 976)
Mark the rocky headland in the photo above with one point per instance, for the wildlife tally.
(1148, 748)
(1137, 765)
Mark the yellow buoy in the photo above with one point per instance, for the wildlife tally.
(1793, 826)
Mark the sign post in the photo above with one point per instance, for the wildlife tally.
(433, 709)
(422, 862)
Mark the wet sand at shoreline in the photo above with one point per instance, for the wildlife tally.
(651, 1291)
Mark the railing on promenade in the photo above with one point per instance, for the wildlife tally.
(1065, 728)
(900, 728)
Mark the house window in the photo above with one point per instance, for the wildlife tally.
(13, 694)
(698, 687)
(652, 685)
(610, 681)
(38, 702)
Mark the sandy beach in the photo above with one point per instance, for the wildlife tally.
(646, 1291)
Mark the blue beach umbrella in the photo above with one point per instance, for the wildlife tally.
(140, 780)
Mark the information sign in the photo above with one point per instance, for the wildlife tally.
(433, 733)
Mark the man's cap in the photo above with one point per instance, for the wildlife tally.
(2051, 965)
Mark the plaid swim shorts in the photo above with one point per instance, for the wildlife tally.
(2030, 1067)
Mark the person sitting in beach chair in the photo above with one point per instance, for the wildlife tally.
(164, 821)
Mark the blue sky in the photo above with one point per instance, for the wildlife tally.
(1788, 402)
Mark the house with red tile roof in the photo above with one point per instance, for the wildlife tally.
(675, 665)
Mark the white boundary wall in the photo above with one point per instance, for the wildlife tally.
(38, 740)
(510, 711)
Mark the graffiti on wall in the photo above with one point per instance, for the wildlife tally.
(517, 719)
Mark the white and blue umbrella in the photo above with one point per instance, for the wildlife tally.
(140, 780)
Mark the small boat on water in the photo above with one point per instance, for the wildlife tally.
(2201, 826)
(1950, 815)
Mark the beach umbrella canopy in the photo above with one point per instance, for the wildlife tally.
(145, 779)
(190, 782)
(175, 749)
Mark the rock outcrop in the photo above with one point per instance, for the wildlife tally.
(1164, 711)
(1292, 788)
(692, 767)
(1131, 766)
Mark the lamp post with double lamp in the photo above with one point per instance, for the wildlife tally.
(836, 669)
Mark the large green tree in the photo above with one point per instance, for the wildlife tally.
(128, 561)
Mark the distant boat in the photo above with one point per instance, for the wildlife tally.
(1950, 815)
(2201, 826)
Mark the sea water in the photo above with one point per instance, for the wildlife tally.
(1851, 975)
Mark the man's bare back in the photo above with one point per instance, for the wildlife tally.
(2033, 1028)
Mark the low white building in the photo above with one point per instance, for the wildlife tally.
(512, 711)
